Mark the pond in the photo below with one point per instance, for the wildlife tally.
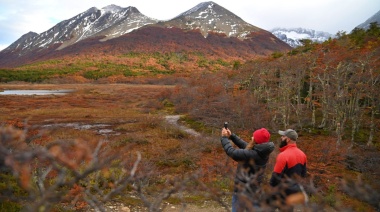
(35, 92)
(102, 129)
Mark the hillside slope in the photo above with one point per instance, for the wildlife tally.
(157, 39)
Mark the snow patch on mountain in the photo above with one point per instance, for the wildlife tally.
(293, 36)
(111, 8)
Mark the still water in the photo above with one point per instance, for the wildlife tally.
(35, 92)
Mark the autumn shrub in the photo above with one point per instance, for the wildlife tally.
(131, 201)
(131, 54)
(177, 162)
(169, 131)
(222, 62)
(164, 95)
(128, 127)
(26, 76)
(196, 125)
(150, 122)
(330, 196)
(10, 206)
(223, 183)
(97, 74)
(176, 133)
(159, 72)
(48, 173)
(123, 142)
(153, 105)
(9, 185)
(167, 80)
(277, 54)
(128, 73)
(236, 65)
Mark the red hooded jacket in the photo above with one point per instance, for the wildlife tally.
(290, 161)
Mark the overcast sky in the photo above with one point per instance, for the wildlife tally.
(18, 17)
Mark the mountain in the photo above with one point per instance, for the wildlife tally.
(210, 17)
(293, 36)
(111, 21)
(23, 40)
(374, 18)
(122, 30)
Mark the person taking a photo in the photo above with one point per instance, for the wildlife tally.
(252, 160)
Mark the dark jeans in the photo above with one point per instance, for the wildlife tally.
(240, 203)
(234, 202)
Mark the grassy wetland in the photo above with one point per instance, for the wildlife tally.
(129, 118)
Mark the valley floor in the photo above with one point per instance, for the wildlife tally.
(124, 113)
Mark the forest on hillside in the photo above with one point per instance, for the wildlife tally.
(327, 92)
(330, 87)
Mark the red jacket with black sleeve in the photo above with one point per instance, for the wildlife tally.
(290, 161)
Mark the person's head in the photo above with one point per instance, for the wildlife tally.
(288, 136)
(260, 136)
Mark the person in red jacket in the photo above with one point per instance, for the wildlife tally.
(290, 164)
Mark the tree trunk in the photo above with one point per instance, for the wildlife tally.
(324, 101)
(372, 126)
(338, 134)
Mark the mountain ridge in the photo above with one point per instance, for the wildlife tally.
(91, 23)
(101, 25)
(374, 18)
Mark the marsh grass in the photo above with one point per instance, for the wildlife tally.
(69, 133)
(127, 141)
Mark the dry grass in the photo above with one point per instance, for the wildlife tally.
(130, 112)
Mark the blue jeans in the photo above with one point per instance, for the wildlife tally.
(237, 206)
(234, 202)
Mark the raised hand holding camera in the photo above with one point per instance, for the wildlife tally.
(225, 131)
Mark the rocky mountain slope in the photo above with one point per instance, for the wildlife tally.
(111, 21)
(374, 18)
(210, 17)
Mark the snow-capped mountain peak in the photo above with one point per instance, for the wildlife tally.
(211, 17)
(109, 22)
(293, 36)
(203, 5)
(112, 8)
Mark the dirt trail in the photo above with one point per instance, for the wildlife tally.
(173, 119)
